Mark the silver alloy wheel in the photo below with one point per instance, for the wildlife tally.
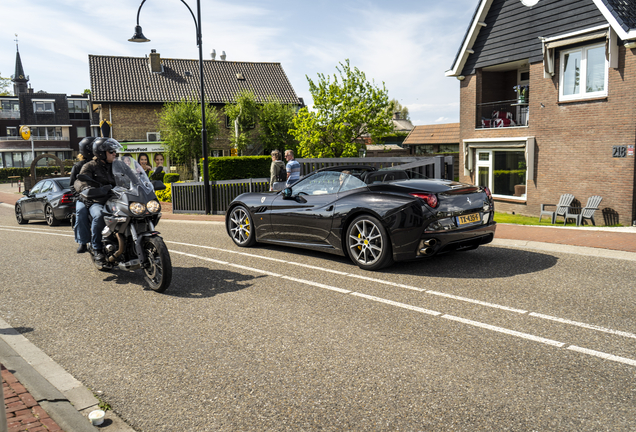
(366, 242)
(240, 227)
(19, 216)
(50, 218)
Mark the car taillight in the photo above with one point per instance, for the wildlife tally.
(429, 198)
(67, 198)
(488, 192)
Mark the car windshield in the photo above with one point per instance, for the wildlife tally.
(129, 174)
(327, 182)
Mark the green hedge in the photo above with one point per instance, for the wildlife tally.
(171, 178)
(165, 195)
(40, 172)
(238, 167)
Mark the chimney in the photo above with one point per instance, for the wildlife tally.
(397, 115)
(155, 62)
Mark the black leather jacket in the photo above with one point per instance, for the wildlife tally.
(99, 171)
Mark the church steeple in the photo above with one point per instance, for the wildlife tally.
(19, 78)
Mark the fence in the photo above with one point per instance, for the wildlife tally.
(188, 197)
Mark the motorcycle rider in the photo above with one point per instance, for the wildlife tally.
(101, 170)
(82, 225)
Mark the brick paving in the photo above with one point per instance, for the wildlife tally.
(23, 411)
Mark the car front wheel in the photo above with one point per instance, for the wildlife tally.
(240, 227)
(368, 243)
(19, 216)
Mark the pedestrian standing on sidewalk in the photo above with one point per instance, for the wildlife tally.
(293, 168)
(82, 225)
(277, 172)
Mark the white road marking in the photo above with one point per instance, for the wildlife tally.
(603, 355)
(478, 324)
(503, 330)
(436, 293)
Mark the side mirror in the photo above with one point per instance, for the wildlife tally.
(25, 193)
(158, 185)
(287, 193)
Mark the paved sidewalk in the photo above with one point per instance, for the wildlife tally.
(618, 243)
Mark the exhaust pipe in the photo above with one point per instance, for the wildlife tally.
(430, 242)
(122, 244)
(426, 251)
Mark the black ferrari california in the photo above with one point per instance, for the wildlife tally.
(372, 216)
(50, 200)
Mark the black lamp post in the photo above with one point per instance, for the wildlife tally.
(139, 37)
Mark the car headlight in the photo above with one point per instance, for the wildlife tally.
(153, 206)
(137, 208)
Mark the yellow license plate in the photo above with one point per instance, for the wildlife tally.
(468, 219)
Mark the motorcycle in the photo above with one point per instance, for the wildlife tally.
(131, 214)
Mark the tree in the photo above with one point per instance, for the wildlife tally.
(397, 107)
(180, 126)
(275, 120)
(346, 110)
(5, 86)
(243, 115)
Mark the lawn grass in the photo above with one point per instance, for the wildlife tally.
(529, 220)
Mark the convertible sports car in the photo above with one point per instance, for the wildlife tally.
(50, 200)
(373, 216)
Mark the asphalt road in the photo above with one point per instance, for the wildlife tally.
(281, 339)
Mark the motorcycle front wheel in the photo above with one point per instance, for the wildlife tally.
(159, 268)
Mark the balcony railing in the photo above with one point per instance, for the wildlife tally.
(508, 113)
(9, 114)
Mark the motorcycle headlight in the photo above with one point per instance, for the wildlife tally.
(137, 208)
(153, 206)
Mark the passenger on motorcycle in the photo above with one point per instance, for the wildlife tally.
(101, 171)
(82, 225)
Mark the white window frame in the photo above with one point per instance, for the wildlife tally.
(583, 94)
(44, 103)
(491, 171)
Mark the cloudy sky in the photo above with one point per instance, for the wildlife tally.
(407, 44)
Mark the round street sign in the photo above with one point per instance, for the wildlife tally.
(25, 132)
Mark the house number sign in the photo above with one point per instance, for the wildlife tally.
(619, 151)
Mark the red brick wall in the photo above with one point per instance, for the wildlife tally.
(573, 141)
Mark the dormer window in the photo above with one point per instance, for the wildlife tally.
(43, 106)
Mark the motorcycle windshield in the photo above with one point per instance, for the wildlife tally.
(131, 176)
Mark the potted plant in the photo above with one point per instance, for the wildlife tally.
(522, 93)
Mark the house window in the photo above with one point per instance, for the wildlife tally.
(501, 171)
(78, 109)
(43, 106)
(583, 73)
(12, 131)
(81, 131)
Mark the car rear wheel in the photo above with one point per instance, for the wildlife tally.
(368, 243)
(19, 216)
(50, 218)
(240, 227)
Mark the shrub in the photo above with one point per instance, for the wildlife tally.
(238, 167)
(171, 178)
(166, 194)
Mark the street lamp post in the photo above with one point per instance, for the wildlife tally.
(139, 37)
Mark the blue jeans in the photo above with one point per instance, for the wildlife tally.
(82, 224)
(97, 226)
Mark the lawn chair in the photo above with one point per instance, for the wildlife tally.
(561, 207)
(587, 212)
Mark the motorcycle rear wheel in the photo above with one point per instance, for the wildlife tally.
(159, 270)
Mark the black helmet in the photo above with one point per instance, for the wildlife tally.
(103, 145)
(86, 147)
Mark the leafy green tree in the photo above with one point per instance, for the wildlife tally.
(397, 107)
(180, 126)
(346, 110)
(275, 120)
(243, 115)
(5, 86)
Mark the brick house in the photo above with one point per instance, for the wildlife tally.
(57, 122)
(129, 92)
(548, 103)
